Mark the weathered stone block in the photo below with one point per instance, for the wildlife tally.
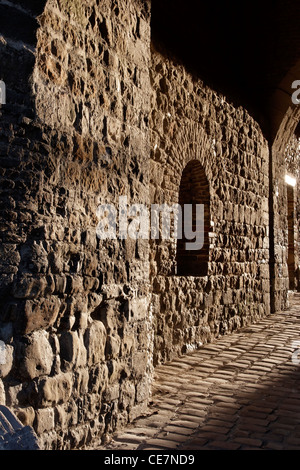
(98, 378)
(112, 349)
(55, 390)
(28, 287)
(138, 309)
(37, 356)
(81, 382)
(60, 283)
(44, 420)
(139, 364)
(142, 391)
(40, 313)
(95, 341)
(127, 395)
(127, 344)
(66, 414)
(10, 257)
(72, 350)
(112, 393)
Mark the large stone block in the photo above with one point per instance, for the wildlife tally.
(36, 356)
(55, 390)
(72, 350)
(98, 378)
(113, 344)
(28, 287)
(45, 420)
(40, 313)
(66, 414)
(95, 342)
(139, 364)
(138, 309)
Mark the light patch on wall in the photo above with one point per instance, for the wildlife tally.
(290, 180)
(2, 353)
(2, 92)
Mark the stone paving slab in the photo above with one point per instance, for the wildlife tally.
(240, 392)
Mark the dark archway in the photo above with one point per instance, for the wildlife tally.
(194, 190)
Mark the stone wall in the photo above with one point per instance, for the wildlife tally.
(279, 227)
(190, 121)
(297, 238)
(94, 113)
(74, 309)
(292, 162)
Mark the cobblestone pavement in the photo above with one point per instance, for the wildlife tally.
(240, 392)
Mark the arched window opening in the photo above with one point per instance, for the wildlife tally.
(194, 190)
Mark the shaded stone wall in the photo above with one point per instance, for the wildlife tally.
(93, 114)
(292, 161)
(190, 121)
(74, 309)
(281, 275)
(279, 233)
(297, 238)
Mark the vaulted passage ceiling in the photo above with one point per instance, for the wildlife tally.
(248, 50)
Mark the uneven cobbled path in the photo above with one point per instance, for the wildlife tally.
(240, 392)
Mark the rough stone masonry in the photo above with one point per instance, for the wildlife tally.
(94, 111)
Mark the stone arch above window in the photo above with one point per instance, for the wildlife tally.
(194, 189)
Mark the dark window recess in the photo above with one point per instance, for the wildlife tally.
(194, 189)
